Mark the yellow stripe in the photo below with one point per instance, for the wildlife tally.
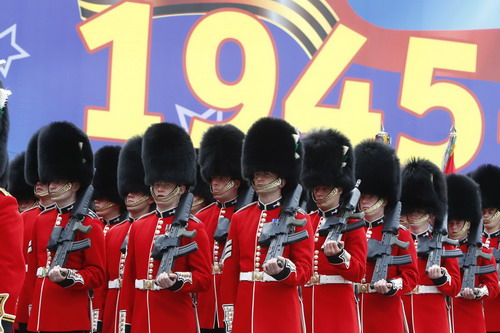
(9, 318)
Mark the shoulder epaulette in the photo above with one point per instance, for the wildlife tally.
(92, 214)
(30, 209)
(5, 192)
(206, 207)
(195, 219)
(245, 207)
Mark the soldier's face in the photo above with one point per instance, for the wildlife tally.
(491, 218)
(219, 188)
(162, 189)
(61, 194)
(320, 192)
(458, 229)
(366, 204)
(261, 178)
(138, 203)
(24, 205)
(41, 190)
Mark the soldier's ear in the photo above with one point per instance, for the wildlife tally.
(182, 189)
(75, 186)
(283, 183)
(237, 183)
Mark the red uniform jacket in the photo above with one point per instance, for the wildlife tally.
(321, 301)
(13, 269)
(381, 313)
(428, 312)
(209, 302)
(468, 314)
(263, 307)
(58, 308)
(492, 305)
(100, 294)
(156, 311)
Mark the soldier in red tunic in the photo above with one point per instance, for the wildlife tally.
(110, 208)
(11, 229)
(263, 296)
(139, 203)
(377, 166)
(61, 298)
(18, 187)
(488, 178)
(424, 199)
(220, 162)
(464, 215)
(152, 302)
(41, 191)
(328, 174)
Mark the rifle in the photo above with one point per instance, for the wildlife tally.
(166, 247)
(496, 255)
(276, 235)
(335, 226)
(380, 251)
(433, 249)
(469, 262)
(222, 230)
(62, 240)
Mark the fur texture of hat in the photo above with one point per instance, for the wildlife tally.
(202, 188)
(168, 155)
(220, 152)
(423, 188)
(377, 166)
(488, 178)
(464, 199)
(31, 160)
(17, 186)
(328, 160)
(273, 145)
(4, 136)
(105, 180)
(130, 168)
(65, 154)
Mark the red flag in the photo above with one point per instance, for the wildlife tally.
(449, 154)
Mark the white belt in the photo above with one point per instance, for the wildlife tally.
(425, 290)
(42, 272)
(146, 285)
(364, 288)
(115, 284)
(327, 279)
(256, 277)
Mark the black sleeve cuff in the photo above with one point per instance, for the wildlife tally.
(440, 281)
(177, 285)
(72, 278)
(284, 273)
(336, 259)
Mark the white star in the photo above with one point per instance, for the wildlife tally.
(185, 115)
(22, 53)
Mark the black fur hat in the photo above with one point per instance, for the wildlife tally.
(105, 180)
(4, 135)
(31, 160)
(17, 185)
(168, 155)
(130, 168)
(464, 199)
(273, 145)
(488, 178)
(220, 152)
(202, 189)
(423, 188)
(328, 160)
(65, 154)
(377, 166)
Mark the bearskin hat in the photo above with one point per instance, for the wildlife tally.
(4, 135)
(168, 155)
(65, 154)
(488, 178)
(423, 188)
(464, 199)
(202, 189)
(130, 168)
(17, 185)
(328, 160)
(377, 166)
(220, 152)
(31, 160)
(105, 180)
(273, 145)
